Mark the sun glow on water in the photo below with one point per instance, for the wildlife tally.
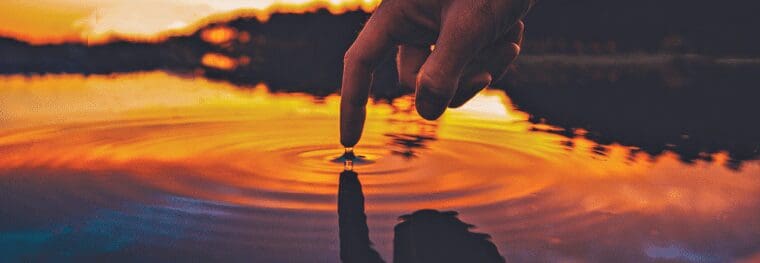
(191, 148)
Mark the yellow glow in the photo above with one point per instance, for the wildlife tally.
(219, 61)
(152, 125)
(218, 35)
(99, 21)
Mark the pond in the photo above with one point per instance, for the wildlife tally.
(152, 166)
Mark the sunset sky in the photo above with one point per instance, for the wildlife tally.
(94, 21)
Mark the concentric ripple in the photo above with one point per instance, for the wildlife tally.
(198, 168)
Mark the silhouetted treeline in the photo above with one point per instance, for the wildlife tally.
(554, 26)
(181, 53)
(586, 66)
(687, 106)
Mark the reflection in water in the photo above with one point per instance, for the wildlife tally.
(429, 236)
(690, 106)
(412, 133)
(151, 166)
(695, 105)
(423, 236)
(355, 245)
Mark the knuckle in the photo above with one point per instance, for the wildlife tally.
(355, 58)
(437, 88)
(348, 57)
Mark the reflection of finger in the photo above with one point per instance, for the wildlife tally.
(409, 61)
(361, 58)
(464, 32)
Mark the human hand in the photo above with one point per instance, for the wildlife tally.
(475, 41)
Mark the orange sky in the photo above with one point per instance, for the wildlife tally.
(94, 21)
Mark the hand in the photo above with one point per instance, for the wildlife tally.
(475, 41)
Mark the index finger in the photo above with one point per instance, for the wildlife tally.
(362, 57)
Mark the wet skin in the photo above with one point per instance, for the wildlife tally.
(475, 41)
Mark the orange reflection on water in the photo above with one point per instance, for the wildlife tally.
(96, 22)
(219, 34)
(205, 140)
(219, 61)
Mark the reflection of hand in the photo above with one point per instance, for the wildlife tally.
(475, 41)
(355, 245)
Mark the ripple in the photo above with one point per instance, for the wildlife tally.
(240, 162)
(225, 172)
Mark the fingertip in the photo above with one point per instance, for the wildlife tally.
(351, 130)
(347, 141)
(352, 117)
(434, 94)
(470, 88)
(429, 104)
(456, 104)
(350, 134)
(429, 111)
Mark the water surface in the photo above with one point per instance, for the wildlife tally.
(152, 166)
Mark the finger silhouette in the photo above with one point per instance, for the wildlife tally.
(464, 32)
(505, 51)
(372, 44)
(409, 60)
(489, 65)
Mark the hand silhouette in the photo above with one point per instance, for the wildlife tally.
(474, 43)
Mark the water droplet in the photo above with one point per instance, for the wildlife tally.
(349, 159)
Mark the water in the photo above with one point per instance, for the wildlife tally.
(151, 166)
